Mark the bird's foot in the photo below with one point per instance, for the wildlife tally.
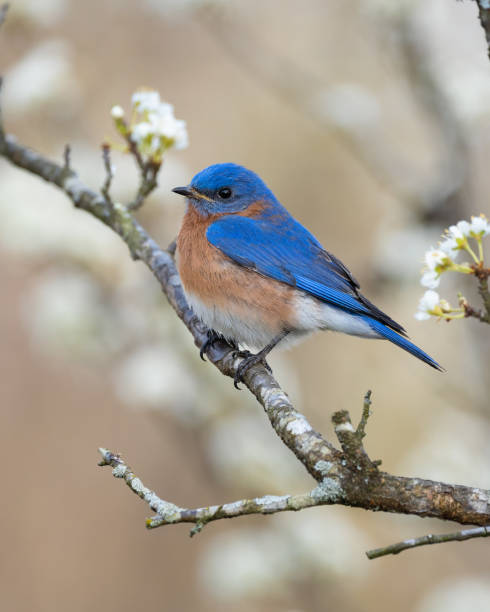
(213, 337)
(248, 360)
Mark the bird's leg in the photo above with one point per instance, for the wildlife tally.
(250, 359)
(214, 336)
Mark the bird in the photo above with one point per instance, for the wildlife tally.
(257, 278)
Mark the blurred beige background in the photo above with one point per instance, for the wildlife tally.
(370, 121)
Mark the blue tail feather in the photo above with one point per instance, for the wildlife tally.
(402, 342)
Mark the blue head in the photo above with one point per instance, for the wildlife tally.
(225, 188)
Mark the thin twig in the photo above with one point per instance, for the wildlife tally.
(475, 313)
(366, 413)
(148, 182)
(67, 157)
(482, 275)
(483, 315)
(135, 152)
(485, 295)
(149, 170)
(458, 536)
(353, 482)
(109, 173)
(346, 477)
(351, 442)
(169, 514)
(484, 16)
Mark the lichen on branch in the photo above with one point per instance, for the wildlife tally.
(343, 474)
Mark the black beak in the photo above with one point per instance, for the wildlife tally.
(183, 191)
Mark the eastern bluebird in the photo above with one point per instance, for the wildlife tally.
(254, 275)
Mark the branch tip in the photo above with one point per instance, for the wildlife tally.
(458, 536)
(198, 527)
(67, 158)
(109, 173)
(484, 15)
(352, 481)
(366, 413)
(106, 456)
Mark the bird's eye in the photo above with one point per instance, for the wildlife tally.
(224, 193)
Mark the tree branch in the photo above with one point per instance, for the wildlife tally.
(485, 295)
(484, 16)
(109, 173)
(149, 170)
(482, 275)
(483, 314)
(351, 477)
(345, 476)
(458, 536)
(169, 514)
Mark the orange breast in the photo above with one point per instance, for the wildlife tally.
(220, 283)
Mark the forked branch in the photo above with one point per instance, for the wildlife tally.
(344, 475)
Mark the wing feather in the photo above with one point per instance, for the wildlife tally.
(283, 249)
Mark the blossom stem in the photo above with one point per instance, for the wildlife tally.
(485, 295)
(471, 252)
(480, 249)
(461, 268)
(446, 314)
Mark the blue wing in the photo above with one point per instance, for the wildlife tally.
(281, 248)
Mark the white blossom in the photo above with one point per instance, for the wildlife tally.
(435, 258)
(449, 246)
(460, 231)
(436, 261)
(427, 304)
(117, 112)
(479, 226)
(147, 100)
(156, 127)
(140, 131)
(430, 279)
(454, 240)
(166, 125)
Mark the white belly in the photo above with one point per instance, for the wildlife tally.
(251, 330)
(314, 314)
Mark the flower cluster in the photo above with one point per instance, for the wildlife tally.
(455, 240)
(436, 262)
(153, 127)
(431, 304)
